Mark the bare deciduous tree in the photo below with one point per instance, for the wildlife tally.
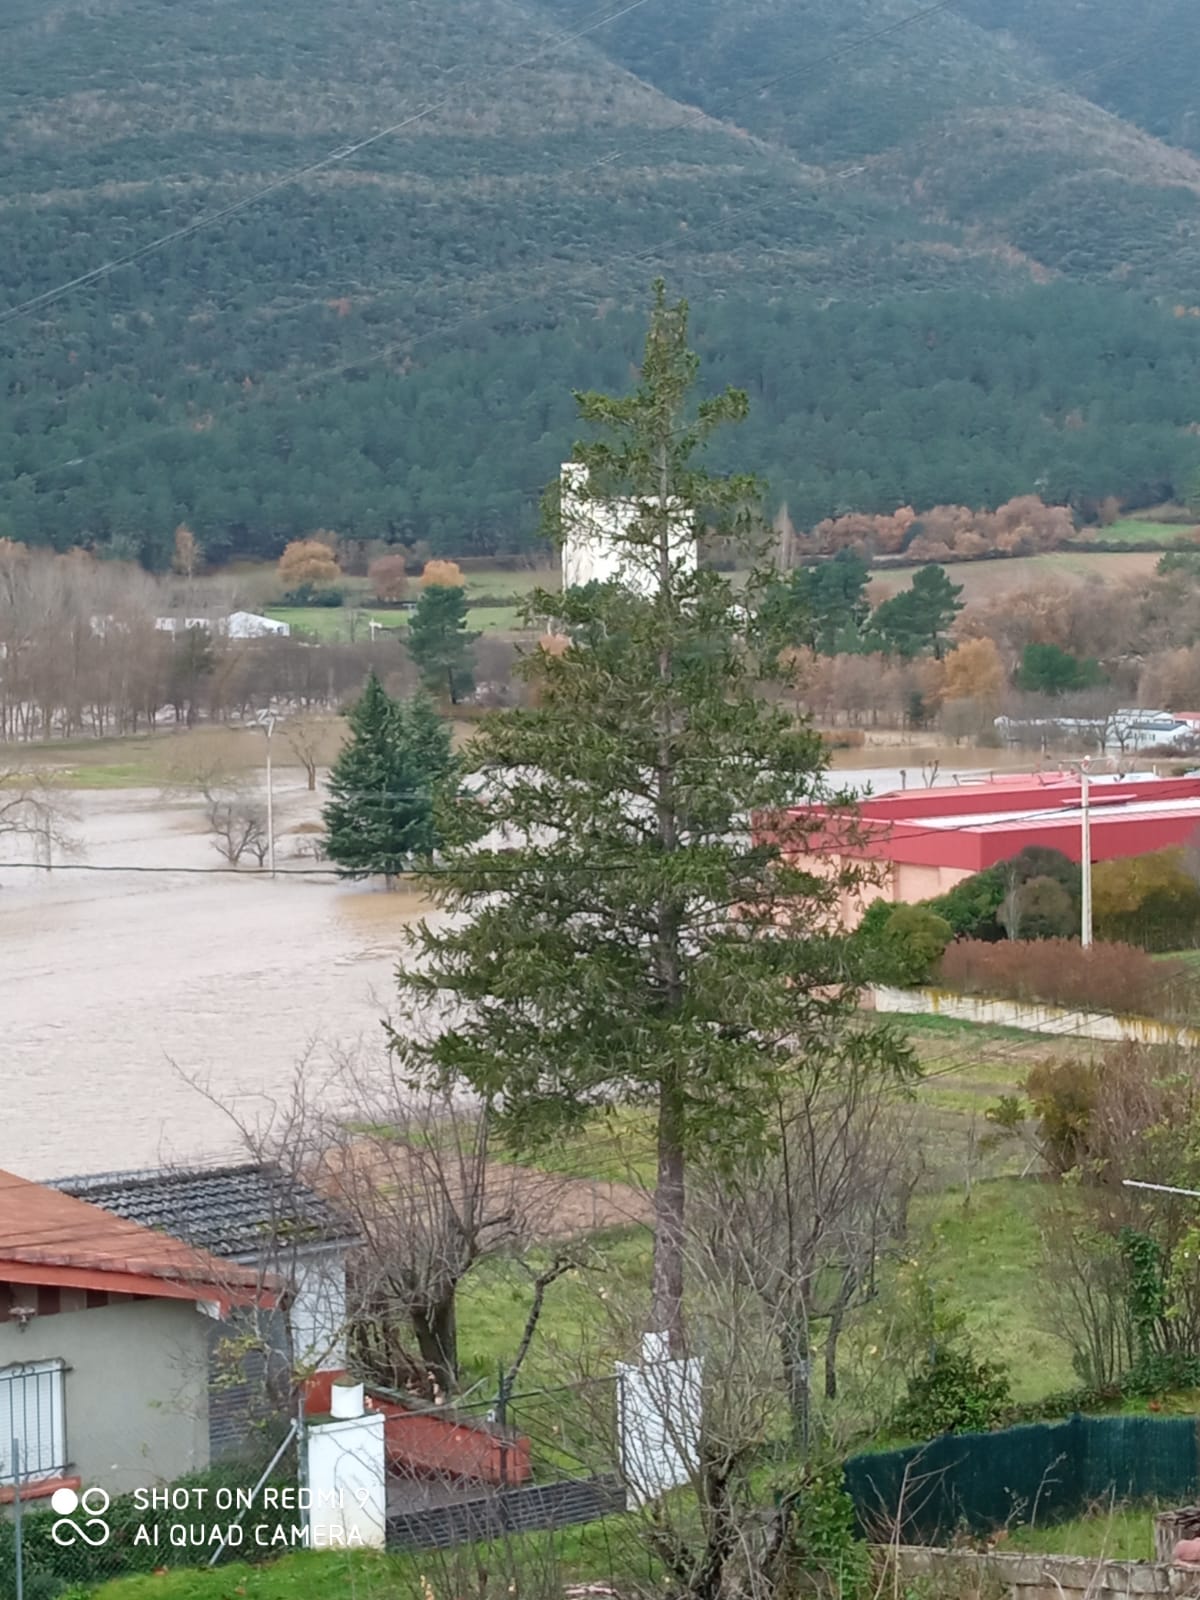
(805, 1229)
(306, 738)
(32, 808)
(239, 828)
(416, 1179)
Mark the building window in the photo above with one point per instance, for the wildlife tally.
(32, 1415)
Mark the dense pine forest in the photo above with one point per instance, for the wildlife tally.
(946, 258)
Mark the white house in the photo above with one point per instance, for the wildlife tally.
(250, 625)
(595, 547)
(1136, 729)
(238, 625)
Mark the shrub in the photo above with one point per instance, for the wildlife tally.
(971, 906)
(306, 595)
(1063, 1097)
(1039, 909)
(955, 1393)
(825, 1543)
(912, 942)
(1107, 977)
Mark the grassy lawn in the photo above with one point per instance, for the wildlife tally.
(601, 1548)
(617, 1148)
(346, 622)
(986, 1252)
(576, 1331)
(1112, 1533)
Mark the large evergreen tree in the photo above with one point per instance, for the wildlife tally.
(624, 935)
(384, 785)
(439, 643)
(920, 618)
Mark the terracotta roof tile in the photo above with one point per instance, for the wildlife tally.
(41, 1227)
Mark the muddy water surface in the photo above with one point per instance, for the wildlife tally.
(119, 987)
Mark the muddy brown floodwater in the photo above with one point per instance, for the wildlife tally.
(118, 987)
(122, 989)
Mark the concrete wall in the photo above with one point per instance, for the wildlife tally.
(1030, 1017)
(136, 1396)
(914, 882)
(999, 1576)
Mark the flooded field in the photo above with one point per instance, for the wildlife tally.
(121, 989)
(124, 989)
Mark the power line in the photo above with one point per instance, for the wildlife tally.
(448, 330)
(496, 869)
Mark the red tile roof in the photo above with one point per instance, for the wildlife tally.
(48, 1237)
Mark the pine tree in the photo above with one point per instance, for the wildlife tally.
(607, 882)
(920, 618)
(439, 643)
(383, 785)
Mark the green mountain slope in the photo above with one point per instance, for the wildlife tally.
(387, 345)
(1136, 60)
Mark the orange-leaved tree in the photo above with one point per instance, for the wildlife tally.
(442, 575)
(308, 563)
(974, 671)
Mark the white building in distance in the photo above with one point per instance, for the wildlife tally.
(595, 546)
(238, 625)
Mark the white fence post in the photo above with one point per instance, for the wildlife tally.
(347, 1475)
(659, 1401)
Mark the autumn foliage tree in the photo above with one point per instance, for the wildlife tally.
(1023, 526)
(308, 564)
(974, 671)
(442, 575)
(389, 577)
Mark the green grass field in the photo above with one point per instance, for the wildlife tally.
(1140, 530)
(574, 1553)
(348, 622)
(1110, 1533)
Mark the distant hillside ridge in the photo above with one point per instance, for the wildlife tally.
(942, 273)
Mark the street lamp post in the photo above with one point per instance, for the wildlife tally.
(1085, 851)
(267, 722)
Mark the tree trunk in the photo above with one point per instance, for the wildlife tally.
(436, 1328)
(667, 1290)
(831, 1346)
(795, 1355)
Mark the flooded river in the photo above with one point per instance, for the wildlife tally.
(122, 989)
(118, 987)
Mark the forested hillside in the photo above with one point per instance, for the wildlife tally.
(1138, 61)
(942, 274)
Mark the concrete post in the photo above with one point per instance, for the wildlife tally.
(347, 1476)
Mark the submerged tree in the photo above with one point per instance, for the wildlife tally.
(384, 785)
(640, 919)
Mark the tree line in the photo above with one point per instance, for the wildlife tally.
(1068, 392)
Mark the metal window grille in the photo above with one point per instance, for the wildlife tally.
(32, 1413)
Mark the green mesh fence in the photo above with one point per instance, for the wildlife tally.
(1045, 1472)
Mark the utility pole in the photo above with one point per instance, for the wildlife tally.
(1085, 856)
(267, 721)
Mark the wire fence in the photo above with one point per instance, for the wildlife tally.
(61, 1535)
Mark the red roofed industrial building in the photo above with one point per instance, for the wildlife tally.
(924, 841)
